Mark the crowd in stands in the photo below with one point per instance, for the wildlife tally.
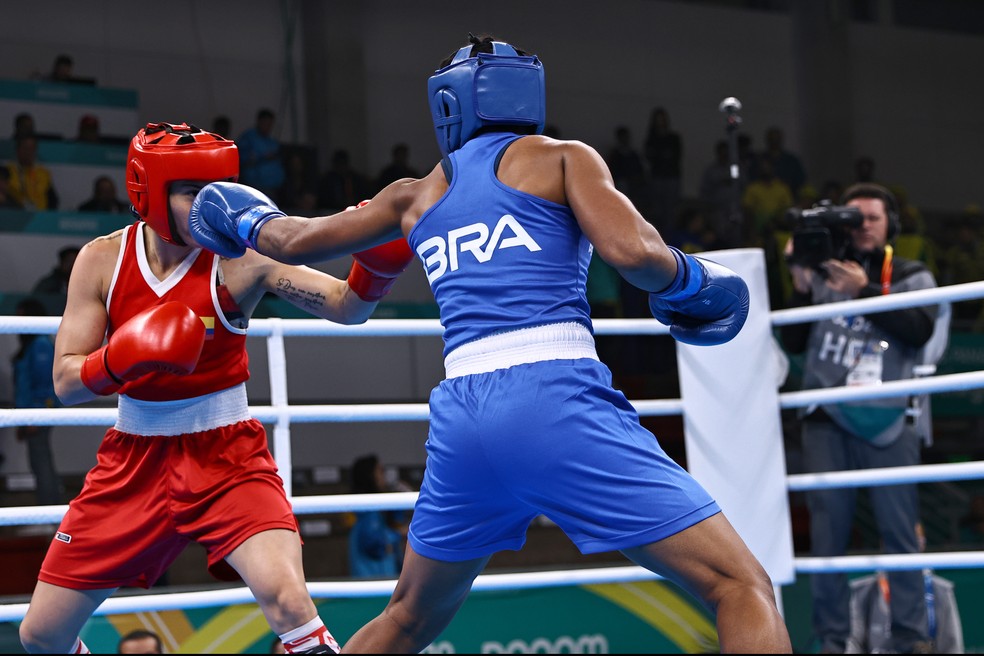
(755, 212)
(719, 214)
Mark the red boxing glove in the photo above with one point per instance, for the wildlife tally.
(167, 337)
(375, 270)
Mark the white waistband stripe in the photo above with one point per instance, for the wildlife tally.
(558, 341)
(184, 416)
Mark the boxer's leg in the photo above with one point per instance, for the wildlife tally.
(711, 561)
(55, 617)
(427, 596)
(270, 564)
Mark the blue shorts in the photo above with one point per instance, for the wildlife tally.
(551, 438)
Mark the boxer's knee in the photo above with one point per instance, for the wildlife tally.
(37, 640)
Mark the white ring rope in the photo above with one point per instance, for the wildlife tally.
(949, 293)
(417, 327)
(134, 603)
(139, 602)
(281, 414)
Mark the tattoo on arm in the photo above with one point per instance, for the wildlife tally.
(305, 298)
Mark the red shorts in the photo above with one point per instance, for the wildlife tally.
(147, 498)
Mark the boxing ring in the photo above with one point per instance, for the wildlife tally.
(281, 414)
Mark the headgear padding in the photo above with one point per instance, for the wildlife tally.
(162, 153)
(501, 88)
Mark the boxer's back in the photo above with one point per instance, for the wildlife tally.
(500, 257)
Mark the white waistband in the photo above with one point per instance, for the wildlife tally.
(555, 341)
(184, 416)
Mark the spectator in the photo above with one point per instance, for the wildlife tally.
(718, 192)
(55, 284)
(222, 126)
(692, 233)
(259, 156)
(748, 160)
(865, 350)
(807, 197)
(34, 388)
(342, 186)
(104, 198)
(627, 169)
(912, 241)
(61, 69)
(376, 539)
(140, 642)
(30, 181)
(399, 167)
(88, 129)
(664, 152)
(299, 194)
(765, 202)
(7, 200)
(787, 166)
(23, 126)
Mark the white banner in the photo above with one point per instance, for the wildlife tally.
(732, 425)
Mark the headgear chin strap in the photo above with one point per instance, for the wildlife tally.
(162, 153)
(501, 88)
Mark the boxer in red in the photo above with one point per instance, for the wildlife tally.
(185, 462)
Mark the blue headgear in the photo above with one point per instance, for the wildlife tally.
(502, 88)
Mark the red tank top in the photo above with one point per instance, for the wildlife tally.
(224, 362)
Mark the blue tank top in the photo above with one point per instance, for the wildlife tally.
(498, 259)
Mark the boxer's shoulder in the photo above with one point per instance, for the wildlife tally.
(100, 253)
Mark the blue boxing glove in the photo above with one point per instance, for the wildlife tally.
(706, 304)
(226, 217)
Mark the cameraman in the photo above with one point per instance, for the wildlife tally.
(864, 350)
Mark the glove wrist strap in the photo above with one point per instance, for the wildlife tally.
(96, 375)
(249, 225)
(367, 285)
(688, 280)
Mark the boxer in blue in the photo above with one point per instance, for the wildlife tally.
(527, 422)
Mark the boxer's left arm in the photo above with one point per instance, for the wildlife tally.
(620, 234)
(315, 292)
(703, 302)
(349, 301)
(705, 305)
(83, 324)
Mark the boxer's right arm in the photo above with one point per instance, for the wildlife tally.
(83, 325)
(83, 328)
(167, 337)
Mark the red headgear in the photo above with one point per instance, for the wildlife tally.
(162, 153)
